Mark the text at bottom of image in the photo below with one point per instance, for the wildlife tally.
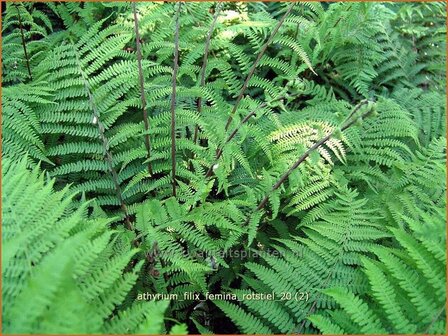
(192, 296)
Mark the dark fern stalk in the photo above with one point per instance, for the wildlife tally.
(262, 204)
(319, 143)
(235, 131)
(254, 65)
(229, 138)
(204, 64)
(142, 86)
(105, 143)
(23, 42)
(173, 100)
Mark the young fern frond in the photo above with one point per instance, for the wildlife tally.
(351, 119)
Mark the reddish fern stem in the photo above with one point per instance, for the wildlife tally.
(235, 131)
(204, 64)
(322, 141)
(254, 65)
(230, 137)
(173, 100)
(142, 87)
(282, 179)
(23, 42)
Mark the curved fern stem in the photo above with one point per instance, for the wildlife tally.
(229, 138)
(235, 131)
(105, 144)
(254, 65)
(23, 42)
(204, 64)
(142, 86)
(349, 122)
(173, 100)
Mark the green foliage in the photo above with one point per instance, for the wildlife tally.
(308, 141)
(334, 242)
(62, 270)
(406, 283)
(23, 29)
(21, 127)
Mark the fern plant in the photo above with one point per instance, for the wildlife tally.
(403, 297)
(406, 280)
(24, 30)
(62, 270)
(333, 244)
(287, 151)
(21, 127)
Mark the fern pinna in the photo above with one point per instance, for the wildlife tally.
(223, 167)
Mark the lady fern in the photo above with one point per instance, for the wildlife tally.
(63, 271)
(248, 167)
(404, 296)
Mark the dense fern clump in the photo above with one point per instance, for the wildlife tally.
(64, 271)
(239, 167)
